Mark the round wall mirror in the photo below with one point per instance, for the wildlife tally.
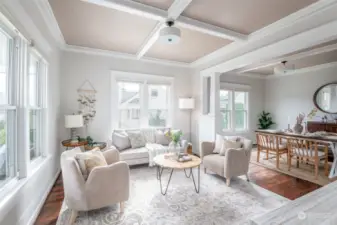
(325, 98)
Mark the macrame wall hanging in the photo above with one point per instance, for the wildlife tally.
(87, 102)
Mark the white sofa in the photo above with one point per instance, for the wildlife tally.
(144, 154)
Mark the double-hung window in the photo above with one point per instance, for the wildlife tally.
(143, 104)
(234, 108)
(7, 110)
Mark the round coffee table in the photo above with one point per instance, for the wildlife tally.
(169, 161)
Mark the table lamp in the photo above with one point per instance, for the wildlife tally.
(73, 122)
(187, 104)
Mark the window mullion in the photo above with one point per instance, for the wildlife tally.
(233, 110)
(20, 70)
(144, 105)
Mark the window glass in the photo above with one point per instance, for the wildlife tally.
(158, 104)
(225, 108)
(4, 62)
(33, 80)
(129, 104)
(240, 110)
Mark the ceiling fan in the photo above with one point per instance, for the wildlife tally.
(284, 67)
(169, 34)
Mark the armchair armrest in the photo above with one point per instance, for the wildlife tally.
(206, 148)
(236, 162)
(111, 155)
(109, 180)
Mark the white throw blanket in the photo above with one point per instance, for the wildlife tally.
(157, 149)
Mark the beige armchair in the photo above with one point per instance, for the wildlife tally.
(234, 163)
(105, 185)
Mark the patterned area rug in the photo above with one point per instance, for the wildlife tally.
(215, 204)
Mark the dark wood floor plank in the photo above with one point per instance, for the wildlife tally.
(271, 180)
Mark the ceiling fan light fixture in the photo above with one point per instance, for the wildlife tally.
(169, 34)
(284, 68)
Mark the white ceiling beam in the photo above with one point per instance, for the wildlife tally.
(297, 56)
(150, 40)
(210, 29)
(177, 7)
(147, 11)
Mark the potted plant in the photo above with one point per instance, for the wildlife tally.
(265, 120)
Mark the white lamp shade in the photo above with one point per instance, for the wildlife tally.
(186, 103)
(73, 121)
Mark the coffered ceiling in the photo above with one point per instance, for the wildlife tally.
(131, 27)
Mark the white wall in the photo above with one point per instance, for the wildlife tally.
(77, 67)
(293, 94)
(256, 99)
(21, 207)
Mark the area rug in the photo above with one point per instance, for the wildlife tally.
(304, 172)
(215, 204)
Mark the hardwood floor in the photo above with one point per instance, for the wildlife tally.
(274, 181)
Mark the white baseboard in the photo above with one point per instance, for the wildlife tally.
(36, 213)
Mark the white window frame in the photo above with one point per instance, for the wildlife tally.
(18, 96)
(144, 80)
(41, 105)
(232, 88)
(11, 104)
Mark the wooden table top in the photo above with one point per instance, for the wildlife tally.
(169, 161)
(329, 137)
(67, 143)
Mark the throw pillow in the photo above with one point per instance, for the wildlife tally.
(137, 139)
(162, 138)
(219, 140)
(87, 161)
(120, 140)
(149, 135)
(224, 150)
(229, 145)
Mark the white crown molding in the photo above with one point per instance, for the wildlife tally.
(301, 55)
(150, 12)
(250, 75)
(50, 20)
(305, 19)
(302, 71)
(92, 51)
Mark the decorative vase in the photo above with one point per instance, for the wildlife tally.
(298, 128)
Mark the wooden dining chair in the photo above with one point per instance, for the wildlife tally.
(307, 150)
(271, 144)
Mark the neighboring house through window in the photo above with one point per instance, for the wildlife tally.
(143, 103)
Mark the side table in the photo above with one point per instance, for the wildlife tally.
(69, 145)
(100, 145)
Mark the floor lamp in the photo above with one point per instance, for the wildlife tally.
(187, 104)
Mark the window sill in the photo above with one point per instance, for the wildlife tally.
(9, 192)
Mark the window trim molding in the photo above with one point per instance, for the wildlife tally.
(145, 79)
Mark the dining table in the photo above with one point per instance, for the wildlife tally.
(329, 138)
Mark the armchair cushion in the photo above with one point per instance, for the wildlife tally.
(215, 163)
(229, 145)
(87, 161)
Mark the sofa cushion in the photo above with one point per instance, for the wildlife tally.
(229, 145)
(120, 140)
(149, 135)
(215, 162)
(162, 138)
(137, 139)
(134, 153)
